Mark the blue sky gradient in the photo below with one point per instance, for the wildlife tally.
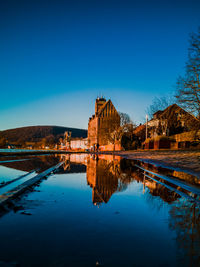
(56, 57)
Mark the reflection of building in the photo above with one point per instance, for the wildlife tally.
(161, 191)
(104, 122)
(155, 188)
(102, 176)
(107, 175)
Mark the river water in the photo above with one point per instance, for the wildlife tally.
(97, 211)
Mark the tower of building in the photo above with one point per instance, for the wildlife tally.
(99, 103)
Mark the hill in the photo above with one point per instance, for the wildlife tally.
(37, 134)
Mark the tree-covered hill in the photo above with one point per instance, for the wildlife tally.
(37, 134)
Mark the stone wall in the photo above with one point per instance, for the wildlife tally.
(92, 131)
(116, 147)
(186, 136)
(106, 126)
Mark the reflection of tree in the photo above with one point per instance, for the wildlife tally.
(39, 163)
(184, 215)
(185, 220)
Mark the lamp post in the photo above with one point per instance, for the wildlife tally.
(146, 126)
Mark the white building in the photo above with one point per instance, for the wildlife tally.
(79, 143)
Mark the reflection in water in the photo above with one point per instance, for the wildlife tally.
(154, 188)
(185, 220)
(107, 175)
(39, 163)
(72, 163)
(103, 175)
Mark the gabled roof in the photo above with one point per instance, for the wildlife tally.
(104, 106)
(158, 112)
(172, 108)
(169, 111)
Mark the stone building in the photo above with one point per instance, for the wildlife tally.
(105, 120)
(172, 120)
(169, 128)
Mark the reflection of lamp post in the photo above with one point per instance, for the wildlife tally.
(146, 126)
(144, 183)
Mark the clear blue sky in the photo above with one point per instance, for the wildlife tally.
(57, 56)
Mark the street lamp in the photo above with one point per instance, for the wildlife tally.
(146, 126)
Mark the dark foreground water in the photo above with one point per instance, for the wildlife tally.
(97, 212)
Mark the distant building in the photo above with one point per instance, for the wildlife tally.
(105, 120)
(170, 121)
(69, 143)
(78, 143)
(173, 122)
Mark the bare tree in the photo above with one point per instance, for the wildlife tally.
(159, 103)
(115, 136)
(126, 128)
(124, 119)
(188, 85)
(114, 130)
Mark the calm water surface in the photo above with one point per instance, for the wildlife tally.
(97, 211)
